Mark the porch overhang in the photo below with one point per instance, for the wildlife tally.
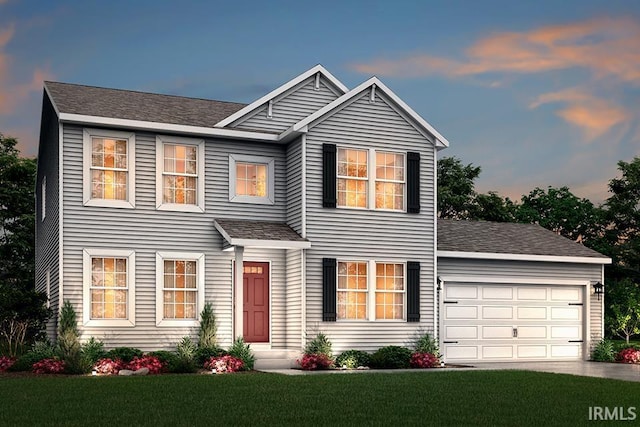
(259, 234)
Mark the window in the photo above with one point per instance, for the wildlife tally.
(389, 291)
(109, 277)
(180, 174)
(109, 168)
(352, 290)
(179, 288)
(378, 296)
(352, 178)
(384, 191)
(389, 181)
(43, 197)
(251, 179)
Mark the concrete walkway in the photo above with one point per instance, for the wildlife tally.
(616, 371)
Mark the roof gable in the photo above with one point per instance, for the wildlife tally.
(373, 84)
(283, 90)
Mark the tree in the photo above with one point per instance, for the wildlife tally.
(456, 191)
(559, 210)
(22, 310)
(492, 207)
(623, 316)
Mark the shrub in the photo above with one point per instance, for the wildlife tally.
(629, 355)
(425, 343)
(312, 362)
(319, 345)
(391, 357)
(49, 366)
(152, 363)
(603, 351)
(69, 342)
(92, 351)
(166, 357)
(208, 328)
(424, 360)
(224, 364)
(185, 357)
(6, 363)
(351, 359)
(108, 366)
(203, 354)
(39, 350)
(243, 352)
(126, 354)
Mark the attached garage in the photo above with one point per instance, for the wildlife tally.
(515, 292)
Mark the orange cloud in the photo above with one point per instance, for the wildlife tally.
(607, 47)
(593, 115)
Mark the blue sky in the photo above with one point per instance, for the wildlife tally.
(536, 93)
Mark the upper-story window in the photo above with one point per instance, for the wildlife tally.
(251, 179)
(358, 187)
(180, 170)
(109, 168)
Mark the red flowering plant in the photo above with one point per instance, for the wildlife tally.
(629, 355)
(152, 363)
(107, 366)
(223, 364)
(424, 360)
(312, 362)
(6, 363)
(48, 366)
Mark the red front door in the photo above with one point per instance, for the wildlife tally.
(256, 301)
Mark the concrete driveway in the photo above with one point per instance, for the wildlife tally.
(618, 371)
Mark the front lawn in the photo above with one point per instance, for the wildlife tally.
(432, 398)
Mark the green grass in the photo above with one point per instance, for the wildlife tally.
(414, 398)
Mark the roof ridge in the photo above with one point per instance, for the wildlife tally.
(143, 92)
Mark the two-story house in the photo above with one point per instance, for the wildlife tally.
(312, 209)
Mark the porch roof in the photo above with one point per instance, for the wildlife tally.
(260, 234)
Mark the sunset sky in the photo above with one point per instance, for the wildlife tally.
(537, 93)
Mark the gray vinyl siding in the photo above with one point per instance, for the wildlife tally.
(147, 230)
(293, 299)
(290, 107)
(48, 231)
(294, 185)
(532, 270)
(356, 234)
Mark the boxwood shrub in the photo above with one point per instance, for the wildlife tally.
(352, 359)
(391, 357)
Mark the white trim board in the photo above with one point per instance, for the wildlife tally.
(512, 280)
(258, 243)
(523, 257)
(280, 90)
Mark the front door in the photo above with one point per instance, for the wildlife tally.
(256, 302)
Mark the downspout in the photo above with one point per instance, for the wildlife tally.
(436, 329)
(303, 232)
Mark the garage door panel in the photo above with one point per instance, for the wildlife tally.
(502, 292)
(497, 332)
(548, 322)
(461, 312)
(461, 332)
(497, 312)
(532, 313)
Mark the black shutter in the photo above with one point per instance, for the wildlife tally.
(413, 182)
(329, 289)
(329, 176)
(413, 291)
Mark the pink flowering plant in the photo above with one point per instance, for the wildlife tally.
(107, 366)
(312, 362)
(49, 366)
(6, 363)
(629, 355)
(152, 363)
(424, 360)
(223, 364)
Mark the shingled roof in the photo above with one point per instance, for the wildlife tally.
(507, 238)
(133, 105)
(259, 233)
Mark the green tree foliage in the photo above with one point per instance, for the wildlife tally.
(623, 309)
(23, 313)
(492, 207)
(456, 192)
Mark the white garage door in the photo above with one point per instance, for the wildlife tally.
(494, 322)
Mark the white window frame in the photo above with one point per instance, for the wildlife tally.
(367, 291)
(87, 144)
(87, 254)
(372, 179)
(366, 179)
(199, 206)
(371, 290)
(43, 197)
(269, 199)
(181, 256)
